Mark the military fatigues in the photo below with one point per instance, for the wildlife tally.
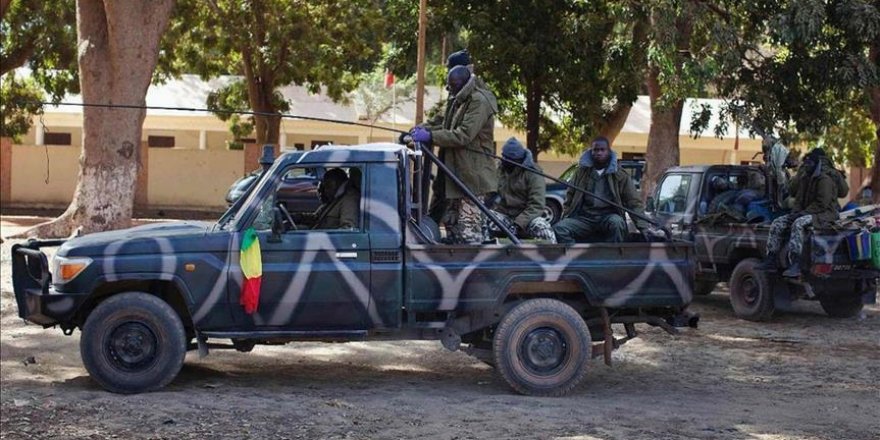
(588, 219)
(470, 126)
(522, 204)
(815, 204)
(438, 206)
(342, 213)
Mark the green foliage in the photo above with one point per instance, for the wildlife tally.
(19, 101)
(321, 45)
(41, 36)
(373, 100)
(814, 64)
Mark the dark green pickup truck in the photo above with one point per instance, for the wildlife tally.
(728, 252)
(143, 296)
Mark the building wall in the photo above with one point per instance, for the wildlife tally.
(191, 178)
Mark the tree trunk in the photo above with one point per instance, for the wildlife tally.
(663, 149)
(874, 103)
(534, 96)
(614, 121)
(118, 51)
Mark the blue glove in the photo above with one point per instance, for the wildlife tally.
(421, 134)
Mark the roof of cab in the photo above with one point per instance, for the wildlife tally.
(376, 152)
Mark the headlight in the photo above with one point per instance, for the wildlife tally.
(65, 269)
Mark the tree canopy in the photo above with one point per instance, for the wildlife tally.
(321, 44)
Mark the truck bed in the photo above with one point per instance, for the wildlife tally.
(613, 275)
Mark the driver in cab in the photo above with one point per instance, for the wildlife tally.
(340, 202)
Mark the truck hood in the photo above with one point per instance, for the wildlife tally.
(151, 238)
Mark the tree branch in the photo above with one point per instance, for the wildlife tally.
(16, 58)
(4, 7)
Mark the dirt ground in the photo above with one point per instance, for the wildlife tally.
(802, 376)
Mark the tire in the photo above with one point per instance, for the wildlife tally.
(750, 291)
(133, 342)
(703, 288)
(542, 348)
(552, 211)
(843, 306)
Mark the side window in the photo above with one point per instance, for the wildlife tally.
(672, 197)
(568, 174)
(315, 198)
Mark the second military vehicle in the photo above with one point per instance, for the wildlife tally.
(728, 251)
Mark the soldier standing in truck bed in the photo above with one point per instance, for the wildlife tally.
(468, 130)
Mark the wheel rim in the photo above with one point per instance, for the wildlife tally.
(132, 346)
(751, 291)
(544, 351)
(548, 213)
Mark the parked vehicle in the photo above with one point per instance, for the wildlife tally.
(730, 251)
(296, 190)
(143, 296)
(555, 194)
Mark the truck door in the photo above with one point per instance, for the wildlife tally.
(314, 278)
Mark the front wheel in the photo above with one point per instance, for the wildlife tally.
(133, 342)
(542, 348)
(750, 292)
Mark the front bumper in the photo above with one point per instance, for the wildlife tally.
(37, 300)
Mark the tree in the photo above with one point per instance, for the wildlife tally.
(271, 44)
(41, 36)
(119, 48)
(373, 99)
(820, 61)
(21, 98)
(692, 43)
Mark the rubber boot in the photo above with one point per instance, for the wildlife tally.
(770, 263)
(793, 271)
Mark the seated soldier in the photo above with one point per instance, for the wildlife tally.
(522, 196)
(340, 202)
(587, 218)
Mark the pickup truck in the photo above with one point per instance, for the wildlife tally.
(143, 296)
(729, 252)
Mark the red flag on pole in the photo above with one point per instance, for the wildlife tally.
(389, 79)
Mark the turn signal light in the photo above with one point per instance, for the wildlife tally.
(66, 269)
(70, 270)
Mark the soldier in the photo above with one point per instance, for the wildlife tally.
(585, 217)
(815, 203)
(340, 202)
(522, 196)
(470, 127)
(437, 207)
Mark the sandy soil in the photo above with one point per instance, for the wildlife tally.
(802, 376)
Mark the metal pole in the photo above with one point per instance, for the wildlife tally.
(467, 192)
(420, 62)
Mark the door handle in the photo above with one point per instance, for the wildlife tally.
(346, 255)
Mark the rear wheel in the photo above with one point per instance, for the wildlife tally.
(750, 293)
(133, 342)
(841, 306)
(542, 348)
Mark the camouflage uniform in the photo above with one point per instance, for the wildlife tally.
(815, 204)
(463, 220)
(538, 228)
(586, 218)
(470, 127)
(797, 223)
(523, 195)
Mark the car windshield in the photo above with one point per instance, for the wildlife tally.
(568, 174)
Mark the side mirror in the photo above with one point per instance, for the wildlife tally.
(649, 205)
